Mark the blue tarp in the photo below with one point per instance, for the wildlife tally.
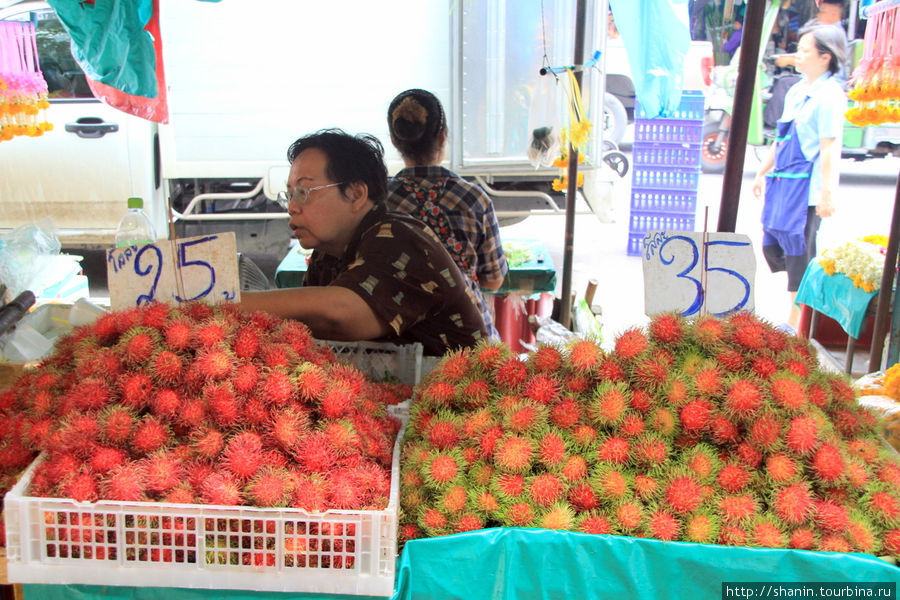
(834, 296)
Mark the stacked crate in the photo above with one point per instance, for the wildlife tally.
(665, 170)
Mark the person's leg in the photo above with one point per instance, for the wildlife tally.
(796, 265)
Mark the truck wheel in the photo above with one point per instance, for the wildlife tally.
(712, 158)
(614, 118)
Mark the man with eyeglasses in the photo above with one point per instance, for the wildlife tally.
(374, 274)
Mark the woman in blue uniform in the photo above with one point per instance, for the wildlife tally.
(800, 174)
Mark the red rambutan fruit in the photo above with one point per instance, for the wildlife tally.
(748, 455)
(743, 399)
(696, 415)
(518, 514)
(723, 430)
(592, 522)
(833, 543)
(608, 404)
(610, 483)
(207, 442)
(135, 390)
(455, 365)
(650, 450)
(509, 485)
(510, 374)
(243, 454)
(276, 387)
(891, 541)
(614, 449)
(545, 489)
(467, 522)
(442, 468)
(213, 364)
(222, 404)
(150, 434)
(542, 388)
(558, 516)
(794, 504)
(514, 453)
(708, 331)
(781, 468)
(584, 355)
(163, 472)
(271, 486)
(116, 424)
(802, 435)
(584, 436)
(221, 489)
(788, 393)
(751, 336)
(763, 366)
(105, 459)
(628, 516)
(125, 483)
(646, 487)
(137, 345)
(683, 494)
(663, 526)
(565, 413)
(574, 468)
(666, 328)
(641, 400)
(546, 359)
(311, 381)
(708, 382)
(764, 432)
(766, 534)
(630, 344)
(582, 497)
(861, 535)
(81, 486)
(610, 370)
(701, 528)
(883, 505)
(730, 359)
(246, 342)
(166, 366)
(650, 373)
(827, 463)
(487, 355)
(733, 535)
(165, 403)
(831, 517)
(474, 393)
(737, 508)
(802, 539)
(551, 450)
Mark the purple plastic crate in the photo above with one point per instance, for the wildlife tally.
(664, 201)
(666, 154)
(664, 178)
(691, 107)
(642, 222)
(635, 244)
(668, 130)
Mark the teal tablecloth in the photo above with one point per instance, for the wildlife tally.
(834, 296)
(512, 563)
(530, 277)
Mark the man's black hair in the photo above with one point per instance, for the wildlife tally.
(351, 159)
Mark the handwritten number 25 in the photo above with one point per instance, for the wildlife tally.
(695, 256)
(183, 263)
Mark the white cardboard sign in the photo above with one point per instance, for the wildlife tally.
(698, 273)
(173, 271)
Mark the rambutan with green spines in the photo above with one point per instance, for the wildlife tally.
(833, 543)
(663, 525)
(781, 468)
(743, 399)
(842, 391)
(764, 432)
(551, 447)
(794, 504)
(221, 489)
(135, 390)
(646, 486)
(514, 453)
(476, 423)
(106, 458)
(695, 416)
(565, 413)
(749, 336)
(613, 449)
(510, 374)
(803, 435)
(524, 417)
(486, 355)
(473, 393)
(857, 475)
(483, 502)
(764, 532)
(583, 497)
(506, 402)
(731, 534)
(802, 538)
(891, 541)
(677, 391)
(310, 380)
(480, 473)
(682, 493)
(547, 358)
(610, 370)
(642, 400)
(468, 521)
(650, 451)
(632, 425)
(827, 463)
(576, 383)
(452, 499)
(748, 455)
(701, 527)
(708, 381)
(611, 483)
(846, 422)
(277, 387)
(702, 462)
(667, 328)
(663, 421)
(443, 468)
(887, 470)
(342, 435)
(411, 499)
(607, 404)
(443, 430)
(137, 345)
(545, 489)
(573, 468)
(737, 508)
(866, 449)
(788, 393)
(518, 514)
(541, 388)
(163, 471)
(630, 344)
(487, 442)
(593, 522)
(650, 373)
(830, 516)
(433, 522)
(559, 516)
(626, 517)
(862, 535)
(708, 332)
(584, 354)
(455, 365)
(882, 504)
(508, 486)
(730, 360)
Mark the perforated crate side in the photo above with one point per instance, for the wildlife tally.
(663, 201)
(635, 244)
(140, 544)
(666, 154)
(381, 360)
(642, 222)
(691, 108)
(668, 130)
(648, 177)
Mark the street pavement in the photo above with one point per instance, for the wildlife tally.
(864, 206)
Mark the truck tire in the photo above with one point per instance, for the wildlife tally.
(615, 119)
(712, 159)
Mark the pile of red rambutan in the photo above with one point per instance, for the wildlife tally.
(721, 431)
(200, 404)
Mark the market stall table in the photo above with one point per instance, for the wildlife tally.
(836, 297)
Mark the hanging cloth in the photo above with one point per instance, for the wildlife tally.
(23, 90)
(657, 36)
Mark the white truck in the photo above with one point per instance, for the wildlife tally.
(244, 79)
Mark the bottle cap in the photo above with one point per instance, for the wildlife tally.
(135, 203)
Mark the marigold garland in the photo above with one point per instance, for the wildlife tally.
(23, 91)
(861, 260)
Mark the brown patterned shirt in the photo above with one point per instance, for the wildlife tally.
(406, 276)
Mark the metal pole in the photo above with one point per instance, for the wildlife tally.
(740, 115)
(879, 329)
(565, 312)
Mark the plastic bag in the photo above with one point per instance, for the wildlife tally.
(30, 259)
(544, 123)
(657, 36)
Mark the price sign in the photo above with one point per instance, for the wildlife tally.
(696, 273)
(199, 268)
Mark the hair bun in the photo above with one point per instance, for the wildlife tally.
(408, 119)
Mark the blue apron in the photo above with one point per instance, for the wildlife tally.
(787, 194)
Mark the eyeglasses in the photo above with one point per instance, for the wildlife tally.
(300, 194)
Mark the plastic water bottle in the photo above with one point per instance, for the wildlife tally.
(135, 227)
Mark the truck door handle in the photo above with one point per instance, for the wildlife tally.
(91, 127)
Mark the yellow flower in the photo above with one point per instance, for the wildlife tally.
(892, 381)
(827, 266)
(560, 184)
(878, 240)
(868, 287)
(580, 132)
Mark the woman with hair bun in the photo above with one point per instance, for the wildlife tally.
(458, 212)
(800, 174)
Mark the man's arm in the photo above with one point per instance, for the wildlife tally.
(491, 284)
(330, 312)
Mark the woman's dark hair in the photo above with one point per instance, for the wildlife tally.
(351, 159)
(416, 121)
(829, 39)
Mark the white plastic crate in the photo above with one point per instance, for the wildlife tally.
(379, 360)
(147, 544)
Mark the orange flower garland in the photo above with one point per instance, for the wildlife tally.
(23, 91)
(875, 91)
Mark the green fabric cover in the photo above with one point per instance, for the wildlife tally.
(834, 296)
(110, 44)
(91, 592)
(514, 563)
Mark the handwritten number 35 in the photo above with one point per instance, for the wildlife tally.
(694, 308)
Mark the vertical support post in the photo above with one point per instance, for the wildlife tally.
(879, 330)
